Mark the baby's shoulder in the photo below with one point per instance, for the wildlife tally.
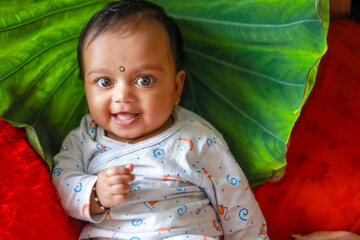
(197, 127)
(87, 121)
(87, 125)
(195, 122)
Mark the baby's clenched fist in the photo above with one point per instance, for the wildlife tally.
(112, 186)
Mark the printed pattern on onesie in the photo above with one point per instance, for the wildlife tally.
(187, 184)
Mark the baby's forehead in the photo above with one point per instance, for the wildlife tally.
(127, 26)
(147, 38)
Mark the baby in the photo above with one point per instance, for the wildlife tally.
(139, 166)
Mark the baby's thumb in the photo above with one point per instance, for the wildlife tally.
(130, 166)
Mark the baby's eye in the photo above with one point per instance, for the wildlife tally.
(104, 82)
(145, 81)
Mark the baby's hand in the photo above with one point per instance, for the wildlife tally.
(112, 186)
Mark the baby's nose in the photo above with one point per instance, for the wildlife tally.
(123, 94)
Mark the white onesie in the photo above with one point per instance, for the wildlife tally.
(187, 184)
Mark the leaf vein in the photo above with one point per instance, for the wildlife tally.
(35, 56)
(243, 69)
(242, 112)
(35, 81)
(239, 24)
(50, 14)
(42, 108)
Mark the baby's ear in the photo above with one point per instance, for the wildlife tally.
(179, 83)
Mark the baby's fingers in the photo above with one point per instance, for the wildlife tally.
(120, 189)
(120, 179)
(120, 198)
(119, 170)
(130, 166)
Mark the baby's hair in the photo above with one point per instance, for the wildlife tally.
(107, 19)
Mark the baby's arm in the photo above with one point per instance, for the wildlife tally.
(112, 187)
(73, 184)
(231, 196)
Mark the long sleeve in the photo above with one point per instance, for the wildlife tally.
(74, 186)
(230, 194)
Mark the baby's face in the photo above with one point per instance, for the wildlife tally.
(130, 81)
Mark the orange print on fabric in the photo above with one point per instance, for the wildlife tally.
(206, 172)
(188, 141)
(170, 176)
(162, 229)
(85, 207)
(216, 225)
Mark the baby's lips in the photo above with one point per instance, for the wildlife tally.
(126, 116)
(125, 119)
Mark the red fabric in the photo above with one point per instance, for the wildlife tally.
(321, 188)
(29, 208)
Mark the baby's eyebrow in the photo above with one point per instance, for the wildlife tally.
(101, 70)
(151, 66)
(145, 67)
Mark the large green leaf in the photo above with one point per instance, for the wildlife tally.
(250, 64)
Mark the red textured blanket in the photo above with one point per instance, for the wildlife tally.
(320, 190)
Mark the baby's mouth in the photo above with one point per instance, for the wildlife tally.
(125, 118)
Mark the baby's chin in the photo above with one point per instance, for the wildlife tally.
(122, 138)
(138, 134)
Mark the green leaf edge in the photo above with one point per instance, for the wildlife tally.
(322, 7)
(34, 142)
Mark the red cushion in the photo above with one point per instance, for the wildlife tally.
(29, 208)
(321, 188)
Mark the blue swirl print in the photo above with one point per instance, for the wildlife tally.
(198, 211)
(159, 152)
(101, 148)
(149, 207)
(91, 131)
(134, 189)
(181, 211)
(209, 142)
(137, 222)
(78, 188)
(243, 212)
(181, 189)
(232, 181)
(58, 171)
(114, 235)
(135, 238)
